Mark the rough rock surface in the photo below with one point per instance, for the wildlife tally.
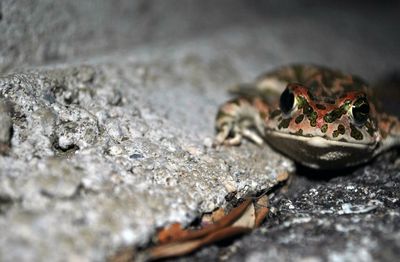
(355, 216)
(5, 128)
(103, 155)
(98, 154)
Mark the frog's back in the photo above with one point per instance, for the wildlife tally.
(322, 81)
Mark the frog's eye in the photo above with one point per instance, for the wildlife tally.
(360, 111)
(286, 101)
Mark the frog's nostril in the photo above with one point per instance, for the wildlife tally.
(286, 101)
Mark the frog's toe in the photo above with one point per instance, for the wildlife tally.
(222, 135)
(234, 141)
(236, 120)
(228, 135)
(253, 136)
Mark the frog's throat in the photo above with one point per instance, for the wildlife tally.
(318, 141)
(318, 152)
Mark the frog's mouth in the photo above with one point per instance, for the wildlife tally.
(319, 141)
(319, 152)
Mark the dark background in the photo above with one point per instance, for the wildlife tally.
(336, 33)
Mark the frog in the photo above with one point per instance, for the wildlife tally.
(320, 117)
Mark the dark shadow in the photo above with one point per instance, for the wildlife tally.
(319, 175)
(387, 89)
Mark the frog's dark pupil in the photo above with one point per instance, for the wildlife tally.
(361, 111)
(286, 101)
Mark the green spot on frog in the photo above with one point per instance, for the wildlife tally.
(313, 118)
(301, 102)
(299, 132)
(324, 128)
(307, 110)
(355, 133)
(284, 123)
(299, 119)
(341, 129)
(328, 118)
(370, 130)
(337, 113)
(335, 133)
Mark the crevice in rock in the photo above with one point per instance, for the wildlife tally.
(79, 192)
(70, 149)
(232, 202)
(6, 202)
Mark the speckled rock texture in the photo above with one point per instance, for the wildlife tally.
(107, 120)
(100, 156)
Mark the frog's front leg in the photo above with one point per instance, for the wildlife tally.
(240, 118)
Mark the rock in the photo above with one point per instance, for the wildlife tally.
(5, 127)
(86, 175)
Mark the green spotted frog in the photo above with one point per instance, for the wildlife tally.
(319, 117)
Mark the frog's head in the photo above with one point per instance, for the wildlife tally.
(324, 127)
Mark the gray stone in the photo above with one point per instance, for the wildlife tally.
(43, 31)
(104, 154)
(5, 127)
